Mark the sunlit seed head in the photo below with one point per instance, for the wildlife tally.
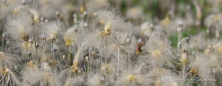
(219, 49)
(101, 22)
(175, 84)
(68, 42)
(160, 71)
(158, 82)
(35, 15)
(216, 17)
(15, 11)
(137, 52)
(166, 20)
(53, 64)
(5, 71)
(82, 9)
(74, 67)
(184, 58)
(194, 72)
(199, 16)
(156, 53)
(31, 64)
(131, 78)
(107, 28)
(26, 45)
(79, 71)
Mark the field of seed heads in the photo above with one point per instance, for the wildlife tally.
(110, 43)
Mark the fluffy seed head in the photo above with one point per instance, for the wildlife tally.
(156, 53)
(70, 36)
(131, 77)
(20, 27)
(52, 29)
(110, 19)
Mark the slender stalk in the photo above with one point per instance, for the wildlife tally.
(93, 25)
(52, 48)
(88, 67)
(54, 55)
(26, 49)
(128, 58)
(189, 52)
(69, 55)
(4, 17)
(3, 26)
(36, 49)
(43, 50)
(3, 43)
(106, 51)
(100, 56)
(179, 36)
(89, 60)
(184, 66)
(191, 81)
(118, 63)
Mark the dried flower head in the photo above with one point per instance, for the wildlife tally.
(70, 36)
(52, 29)
(8, 60)
(49, 59)
(158, 48)
(11, 76)
(111, 20)
(133, 77)
(20, 27)
(43, 78)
